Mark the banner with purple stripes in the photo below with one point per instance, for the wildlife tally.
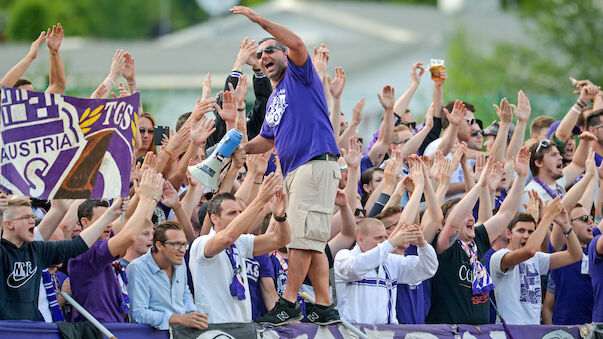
(61, 147)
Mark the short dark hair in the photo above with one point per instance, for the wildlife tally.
(161, 229)
(22, 82)
(86, 209)
(278, 43)
(182, 119)
(448, 205)
(388, 212)
(593, 118)
(519, 217)
(537, 156)
(449, 106)
(214, 206)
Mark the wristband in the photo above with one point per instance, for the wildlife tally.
(132, 82)
(581, 103)
(241, 109)
(281, 219)
(568, 232)
(168, 153)
(111, 81)
(575, 110)
(257, 183)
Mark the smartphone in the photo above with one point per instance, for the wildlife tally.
(158, 132)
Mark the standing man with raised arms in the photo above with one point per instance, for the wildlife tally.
(297, 124)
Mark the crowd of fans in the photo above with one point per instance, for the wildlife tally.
(439, 222)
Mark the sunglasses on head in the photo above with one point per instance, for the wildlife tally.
(358, 211)
(268, 50)
(410, 125)
(477, 132)
(544, 143)
(585, 218)
(471, 121)
(241, 175)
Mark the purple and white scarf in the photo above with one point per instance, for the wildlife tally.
(482, 283)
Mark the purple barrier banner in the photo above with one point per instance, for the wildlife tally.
(61, 147)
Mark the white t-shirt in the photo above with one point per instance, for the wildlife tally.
(518, 291)
(542, 193)
(212, 278)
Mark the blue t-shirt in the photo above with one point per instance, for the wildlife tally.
(297, 117)
(413, 302)
(595, 262)
(258, 267)
(487, 258)
(574, 303)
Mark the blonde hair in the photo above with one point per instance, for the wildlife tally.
(14, 202)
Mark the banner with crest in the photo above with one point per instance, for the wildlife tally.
(61, 147)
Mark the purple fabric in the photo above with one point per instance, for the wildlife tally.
(45, 138)
(574, 303)
(595, 262)
(258, 267)
(93, 283)
(297, 117)
(413, 302)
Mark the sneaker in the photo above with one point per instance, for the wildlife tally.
(321, 316)
(281, 314)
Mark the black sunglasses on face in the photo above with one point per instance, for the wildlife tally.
(477, 132)
(268, 50)
(358, 211)
(143, 131)
(410, 125)
(585, 218)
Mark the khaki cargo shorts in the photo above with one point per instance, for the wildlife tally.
(311, 189)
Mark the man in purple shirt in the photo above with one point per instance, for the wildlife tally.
(595, 261)
(297, 124)
(98, 282)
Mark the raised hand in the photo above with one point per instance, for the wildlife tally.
(429, 118)
(278, 203)
(416, 171)
(338, 83)
(257, 163)
(353, 155)
(523, 109)
(35, 46)
(588, 92)
(446, 171)
(497, 173)
(117, 64)
(415, 76)
(321, 60)
(357, 112)
(535, 206)
(54, 37)
(522, 162)
(438, 161)
(228, 112)
(151, 185)
(179, 141)
(246, 54)
(458, 155)
(387, 98)
(480, 164)
(458, 113)
(127, 68)
(439, 81)
(340, 200)
(587, 137)
(119, 205)
(169, 196)
(269, 186)
(590, 165)
(504, 111)
(206, 92)
(202, 107)
(203, 131)
(246, 11)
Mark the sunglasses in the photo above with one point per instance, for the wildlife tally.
(410, 125)
(585, 218)
(359, 140)
(241, 175)
(358, 211)
(471, 121)
(544, 143)
(477, 132)
(402, 141)
(143, 131)
(268, 50)
(392, 225)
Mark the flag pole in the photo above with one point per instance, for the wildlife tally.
(88, 316)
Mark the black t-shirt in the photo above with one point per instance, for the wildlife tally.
(452, 299)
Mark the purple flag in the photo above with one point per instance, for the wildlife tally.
(61, 147)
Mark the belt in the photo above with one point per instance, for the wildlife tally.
(326, 156)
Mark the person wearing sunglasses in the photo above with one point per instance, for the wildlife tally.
(297, 124)
(158, 287)
(574, 305)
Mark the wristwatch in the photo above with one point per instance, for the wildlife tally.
(281, 219)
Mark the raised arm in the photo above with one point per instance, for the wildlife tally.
(455, 118)
(386, 131)
(412, 145)
(578, 164)
(256, 168)
(564, 131)
(52, 219)
(352, 157)
(15, 73)
(411, 210)
(415, 79)
(522, 111)
(93, 232)
(280, 235)
(56, 76)
(500, 142)
(241, 223)
(336, 88)
(297, 50)
(342, 140)
(114, 72)
(170, 199)
(346, 236)
(432, 221)
(496, 225)
(573, 253)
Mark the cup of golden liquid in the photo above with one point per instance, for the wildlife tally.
(435, 67)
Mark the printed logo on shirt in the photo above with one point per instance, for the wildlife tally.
(253, 269)
(22, 272)
(466, 274)
(277, 108)
(530, 291)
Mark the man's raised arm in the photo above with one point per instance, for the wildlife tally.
(297, 50)
(56, 75)
(15, 73)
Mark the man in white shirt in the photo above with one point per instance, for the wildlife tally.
(516, 270)
(366, 276)
(217, 260)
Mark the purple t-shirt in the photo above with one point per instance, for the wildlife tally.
(93, 283)
(297, 117)
(574, 302)
(595, 262)
(413, 302)
(258, 267)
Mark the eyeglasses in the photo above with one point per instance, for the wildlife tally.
(585, 218)
(598, 126)
(27, 216)
(471, 121)
(477, 132)
(176, 245)
(358, 211)
(241, 175)
(143, 131)
(544, 143)
(392, 225)
(401, 141)
(268, 50)
(410, 125)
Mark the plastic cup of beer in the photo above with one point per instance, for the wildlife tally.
(435, 67)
